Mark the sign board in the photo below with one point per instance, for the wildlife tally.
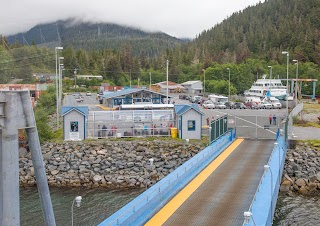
(74, 136)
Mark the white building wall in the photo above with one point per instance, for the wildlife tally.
(73, 116)
(183, 126)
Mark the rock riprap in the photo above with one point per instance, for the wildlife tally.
(302, 170)
(114, 164)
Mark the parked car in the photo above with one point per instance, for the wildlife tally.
(239, 105)
(229, 104)
(79, 98)
(265, 105)
(208, 105)
(88, 93)
(252, 105)
(220, 105)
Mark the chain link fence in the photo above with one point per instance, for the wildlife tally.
(129, 123)
(256, 127)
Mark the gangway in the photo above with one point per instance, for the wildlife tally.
(226, 193)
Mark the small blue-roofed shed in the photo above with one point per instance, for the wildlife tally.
(188, 121)
(74, 122)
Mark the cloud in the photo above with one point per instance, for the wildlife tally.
(180, 18)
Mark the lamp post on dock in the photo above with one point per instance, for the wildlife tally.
(77, 200)
(247, 216)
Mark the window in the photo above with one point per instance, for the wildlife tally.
(74, 127)
(191, 125)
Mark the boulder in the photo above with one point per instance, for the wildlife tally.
(303, 190)
(97, 178)
(285, 186)
(54, 172)
(300, 182)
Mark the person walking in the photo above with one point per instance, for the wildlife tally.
(270, 119)
(208, 121)
(104, 130)
(274, 119)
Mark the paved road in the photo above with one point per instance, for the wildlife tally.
(306, 133)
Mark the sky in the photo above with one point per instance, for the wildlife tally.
(179, 18)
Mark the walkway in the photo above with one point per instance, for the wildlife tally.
(223, 191)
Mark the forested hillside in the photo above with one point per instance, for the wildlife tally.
(263, 31)
(96, 36)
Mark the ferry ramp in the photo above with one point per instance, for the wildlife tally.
(223, 191)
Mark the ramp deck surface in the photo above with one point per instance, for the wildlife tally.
(228, 191)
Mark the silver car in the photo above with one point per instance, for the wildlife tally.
(220, 105)
(208, 105)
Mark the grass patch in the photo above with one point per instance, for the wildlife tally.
(314, 144)
(311, 108)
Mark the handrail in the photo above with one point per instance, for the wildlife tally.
(260, 182)
(158, 188)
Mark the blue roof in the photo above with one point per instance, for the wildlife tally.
(82, 110)
(109, 95)
(180, 109)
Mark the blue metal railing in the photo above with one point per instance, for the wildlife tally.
(265, 195)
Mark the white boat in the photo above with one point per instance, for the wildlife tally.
(262, 86)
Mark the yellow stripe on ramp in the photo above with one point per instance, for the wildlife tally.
(164, 214)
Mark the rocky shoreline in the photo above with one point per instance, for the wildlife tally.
(133, 164)
(302, 169)
(105, 163)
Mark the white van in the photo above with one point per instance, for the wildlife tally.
(275, 102)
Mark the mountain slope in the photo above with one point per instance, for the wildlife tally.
(265, 30)
(96, 36)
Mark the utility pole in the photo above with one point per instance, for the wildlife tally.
(167, 81)
(130, 78)
(150, 80)
(75, 77)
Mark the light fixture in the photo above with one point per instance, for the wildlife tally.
(77, 200)
(247, 215)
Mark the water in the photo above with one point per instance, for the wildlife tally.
(296, 209)
(98, 204)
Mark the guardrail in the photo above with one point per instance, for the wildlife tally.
(151, 201)
(267, 192)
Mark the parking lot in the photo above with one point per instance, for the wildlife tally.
(209, 113)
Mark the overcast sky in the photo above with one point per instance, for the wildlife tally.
(179, 18)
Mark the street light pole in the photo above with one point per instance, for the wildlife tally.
(296, 86)
(229, 85)
(167, 81)
(57, 93)
(78, 203)
(287, 53)
(150, 80)
(204, 81)
(60, 82)
(75, 77)
(270, 77)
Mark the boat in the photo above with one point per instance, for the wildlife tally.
(271, 87)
